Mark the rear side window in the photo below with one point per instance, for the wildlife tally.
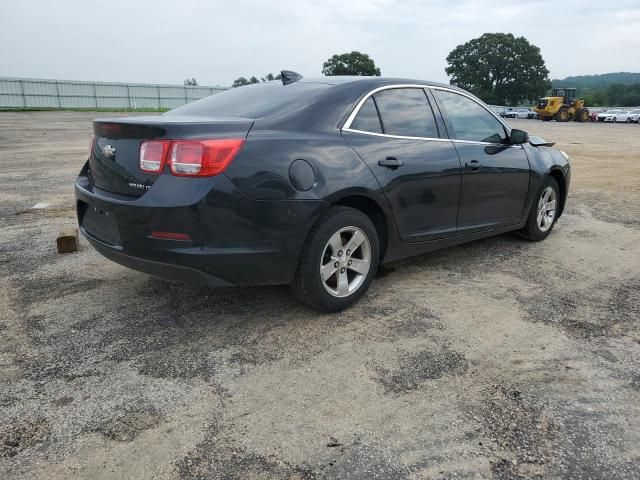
(469, 120)
(406, 112)
(367, 119)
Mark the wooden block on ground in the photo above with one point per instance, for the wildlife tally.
(68, 241)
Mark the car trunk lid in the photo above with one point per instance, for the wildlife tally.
(114, 161)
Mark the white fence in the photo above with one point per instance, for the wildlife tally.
(39, 93)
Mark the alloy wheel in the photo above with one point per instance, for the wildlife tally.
(345, 261)
(547, 209)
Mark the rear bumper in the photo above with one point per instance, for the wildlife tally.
(234, 240)
(152, 267)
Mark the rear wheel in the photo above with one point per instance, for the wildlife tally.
(544, 211)
(562, 115)
(628, 120)
(338, 261)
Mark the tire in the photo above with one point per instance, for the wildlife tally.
(334, 231)
(582, 115)
(546, 119)
(628, 120)
(562, 115)
(535, 230)
(615, 120)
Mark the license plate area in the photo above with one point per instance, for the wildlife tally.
(101, 224)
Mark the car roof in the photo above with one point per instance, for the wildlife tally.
(329, 109)
(374, 81)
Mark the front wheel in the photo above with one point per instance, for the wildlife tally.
(338, 261)
(544, 211)
(562, 115)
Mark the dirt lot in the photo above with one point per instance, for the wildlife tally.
(500, 358)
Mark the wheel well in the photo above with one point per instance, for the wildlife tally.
(374, 212)
(562, 185)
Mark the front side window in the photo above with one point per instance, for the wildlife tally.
(367, 119)
(406, 112)
(469, 120)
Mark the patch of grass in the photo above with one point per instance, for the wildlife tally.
(49, 109)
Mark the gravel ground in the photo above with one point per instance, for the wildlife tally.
(500, 358)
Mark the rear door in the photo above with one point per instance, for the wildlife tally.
(396, 134)
(495, 175)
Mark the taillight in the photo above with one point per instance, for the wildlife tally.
(202, 158)
(92, 145)
(189, 158)
(153, 154)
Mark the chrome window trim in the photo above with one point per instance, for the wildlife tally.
(431, 139)
(347, 124)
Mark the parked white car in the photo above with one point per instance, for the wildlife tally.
(614, 116)
(519, 113)
(523, 113)
(634, 115)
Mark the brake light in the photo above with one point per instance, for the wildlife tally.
(202, 158)
(153, 154)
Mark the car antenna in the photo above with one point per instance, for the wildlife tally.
(289, 76)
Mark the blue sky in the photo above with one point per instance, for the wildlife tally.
(166, 41)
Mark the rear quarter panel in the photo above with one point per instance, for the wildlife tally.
(261, 172)
(261, 169)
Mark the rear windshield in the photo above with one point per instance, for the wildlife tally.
(252, 101)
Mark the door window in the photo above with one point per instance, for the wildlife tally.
(469, 120)
(406, 112)
(367, 119)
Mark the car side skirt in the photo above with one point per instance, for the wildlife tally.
(405, 250)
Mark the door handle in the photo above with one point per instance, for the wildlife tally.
(473, 165)
(390, 162)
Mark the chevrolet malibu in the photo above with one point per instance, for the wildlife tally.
(312, 183)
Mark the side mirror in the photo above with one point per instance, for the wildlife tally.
(518, 137)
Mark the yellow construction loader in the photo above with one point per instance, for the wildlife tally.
(562, 106)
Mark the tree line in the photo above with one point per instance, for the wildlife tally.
(354, 63)
(615, 95)
(499, 68)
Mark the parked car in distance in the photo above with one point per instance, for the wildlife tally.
(507, 112)
(312, 183)
(614, 116)
(593, 114)
(520, 113)
(634, 115)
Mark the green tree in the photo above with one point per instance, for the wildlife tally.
(241, 81)
(499, 68)
(354, 63)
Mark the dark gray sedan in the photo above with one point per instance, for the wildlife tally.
(313, 183)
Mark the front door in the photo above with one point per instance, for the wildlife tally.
(495, 175)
